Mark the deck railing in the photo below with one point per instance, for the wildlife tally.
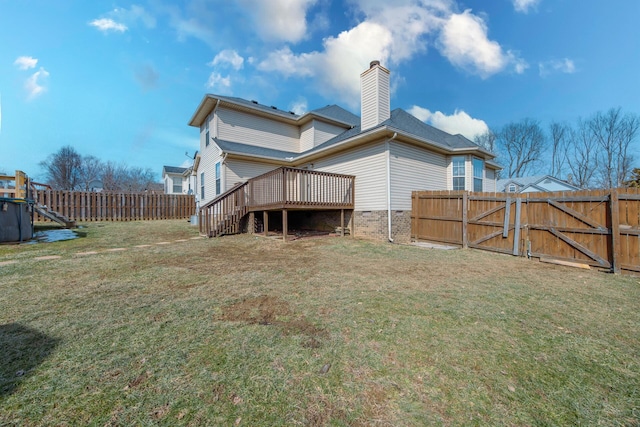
(282, 188)
(300, 188)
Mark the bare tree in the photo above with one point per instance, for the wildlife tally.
(521, 145)
(558, 137)
(486, 140)
(63, 168)
(139, 179)
(614, 133)
(90, 171)
(582, 155)
(113, 176)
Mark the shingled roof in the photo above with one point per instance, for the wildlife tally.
(400, 121)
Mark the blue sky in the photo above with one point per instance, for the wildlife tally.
(120, 80)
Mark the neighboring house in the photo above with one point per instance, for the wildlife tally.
(178, 180)
(390, 153)
(531, 184)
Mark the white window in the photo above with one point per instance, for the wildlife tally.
(457, 164)
(177, 185)
(202, 186)
(478, 172)
(512, 188)
(217, 178)
(206, 132)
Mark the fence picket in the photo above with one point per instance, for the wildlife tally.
(84, 206)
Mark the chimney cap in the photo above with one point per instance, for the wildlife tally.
(374, 63)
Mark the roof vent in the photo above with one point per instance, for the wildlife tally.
(255, 102)
(291, 112)
(274, 107)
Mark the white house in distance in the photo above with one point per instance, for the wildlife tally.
(178, 180)
(531, 184)
(390, 153)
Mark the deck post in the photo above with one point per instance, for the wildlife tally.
(265, 221)
(352, 223)
(341, 222)
(285, 224)
(251, 226)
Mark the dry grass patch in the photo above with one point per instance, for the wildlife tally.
(251, 331)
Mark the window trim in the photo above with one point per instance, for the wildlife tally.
(174, 180)
(454, 168)
(201, 185)
(206, 132)
(218, 180)
(475, 161)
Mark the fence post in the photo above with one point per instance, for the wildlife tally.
(465, 220)
(615, 231)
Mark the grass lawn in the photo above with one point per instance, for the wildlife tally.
(139, 324)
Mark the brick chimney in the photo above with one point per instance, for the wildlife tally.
(374, 96)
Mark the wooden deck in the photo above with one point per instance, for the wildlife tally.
(282, 189)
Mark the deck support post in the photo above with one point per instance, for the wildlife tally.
(251, 226)
(285, 224)
(341, 222)
(265, 221)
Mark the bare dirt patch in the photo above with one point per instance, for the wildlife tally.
(268, 310)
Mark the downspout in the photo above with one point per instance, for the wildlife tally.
(395, 134)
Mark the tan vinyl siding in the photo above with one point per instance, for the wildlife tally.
(208, 159)
(325, 131)
(414, 169)
(490, 180)
(368, 164)
(306, 136)
(316, 132)
(241, 170)
(237, 126)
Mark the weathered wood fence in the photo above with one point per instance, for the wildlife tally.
(92, 206)
(600, 228)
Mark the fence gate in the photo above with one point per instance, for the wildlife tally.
(600, 228)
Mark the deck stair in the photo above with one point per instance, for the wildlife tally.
(54, 216)
(224, 214)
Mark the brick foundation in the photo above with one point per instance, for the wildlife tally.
(373, 225)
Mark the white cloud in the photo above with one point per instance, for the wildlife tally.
(464, 42)
(566, 66)
(394, 32)
(299, 106)
(339, 66)
(457, 123)
(134, 14)
(107, 24)
(524, 6)
(229, 57)
(25, 62)
(218, 83)
(35, 85)
(279, 20)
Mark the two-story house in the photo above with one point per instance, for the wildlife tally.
(390, 153)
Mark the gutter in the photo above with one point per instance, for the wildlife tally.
(389, 224)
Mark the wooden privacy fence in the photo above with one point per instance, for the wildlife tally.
(91, 206)
(600, 228)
